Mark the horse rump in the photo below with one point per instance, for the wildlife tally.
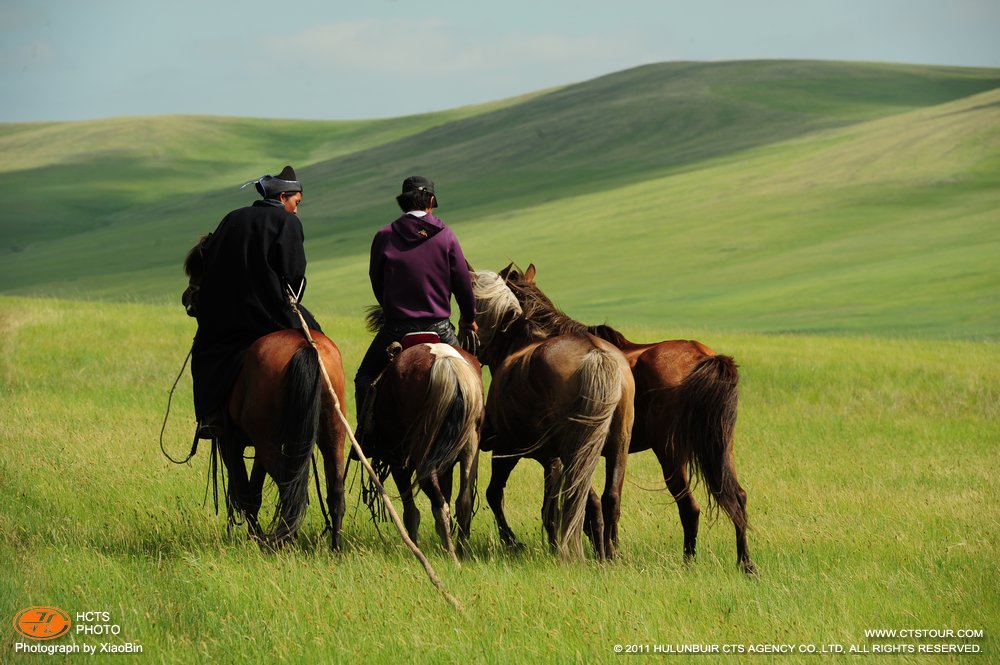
(450, 417)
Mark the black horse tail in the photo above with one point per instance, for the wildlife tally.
(302, 406)
(704, 432)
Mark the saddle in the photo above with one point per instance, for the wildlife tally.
(412, 339)
(367, 416)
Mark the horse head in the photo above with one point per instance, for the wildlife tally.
(497, 309)
(194, 268)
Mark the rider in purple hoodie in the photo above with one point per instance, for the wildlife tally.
(416, 265)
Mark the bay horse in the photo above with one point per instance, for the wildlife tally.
(563, 398)
(280, 406)
(685, 412)
(426, 415)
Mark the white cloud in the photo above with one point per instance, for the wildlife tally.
(433, 47)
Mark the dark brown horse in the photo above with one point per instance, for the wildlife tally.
(279, 406)
(561, 397)
(426, 418)
(685, 412)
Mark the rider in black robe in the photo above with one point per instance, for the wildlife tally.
(250, 262)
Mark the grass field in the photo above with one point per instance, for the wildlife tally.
(869, 465)
(833, 226)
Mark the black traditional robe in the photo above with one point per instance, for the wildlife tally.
(249, 259)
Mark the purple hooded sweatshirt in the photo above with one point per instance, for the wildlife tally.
(416, 264)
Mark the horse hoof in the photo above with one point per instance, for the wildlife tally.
(514, 546)
(749, 568)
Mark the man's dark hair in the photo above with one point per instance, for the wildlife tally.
(414, 200)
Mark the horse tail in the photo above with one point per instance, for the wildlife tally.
(585, 433)
(704, 432)
(450, 417)
(300, 427)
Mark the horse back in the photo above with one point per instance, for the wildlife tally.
(660, 370)
(538, 387)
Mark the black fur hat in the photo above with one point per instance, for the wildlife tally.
(270, 186)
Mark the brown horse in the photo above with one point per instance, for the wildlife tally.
(426, 416)
(685, 412)
(561, 397)
(279, 405)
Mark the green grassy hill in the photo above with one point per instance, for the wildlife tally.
(759, 196)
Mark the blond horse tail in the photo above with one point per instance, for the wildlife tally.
(450, 416)
(582, 438)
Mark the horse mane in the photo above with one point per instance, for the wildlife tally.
(608, 334)
(496, 306)
(374, 318)
(545, 318)
(194, 262)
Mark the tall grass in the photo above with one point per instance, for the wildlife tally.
(869, 465)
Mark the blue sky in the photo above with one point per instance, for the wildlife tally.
(334, 59)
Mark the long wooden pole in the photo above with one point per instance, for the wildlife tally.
(435, 580)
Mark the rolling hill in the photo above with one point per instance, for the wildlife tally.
(759, 196)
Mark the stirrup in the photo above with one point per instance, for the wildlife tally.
(208, 432)
(212, 426)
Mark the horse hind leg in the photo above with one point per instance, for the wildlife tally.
(616, 459)
(550, 499)
(411, 514)
(740, 522)
(442, 514)
(732, 498)
(255, 498)
(675, 476)
(501, 470)
(465, 503)
(594, 524)
(331, 444)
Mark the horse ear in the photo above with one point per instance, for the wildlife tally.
(506, 271)
(529, 274)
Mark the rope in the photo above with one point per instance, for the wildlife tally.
(170, 398)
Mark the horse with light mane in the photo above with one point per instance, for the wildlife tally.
(563, 398)
(685, 412)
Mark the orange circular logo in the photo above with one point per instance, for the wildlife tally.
(42, 623)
